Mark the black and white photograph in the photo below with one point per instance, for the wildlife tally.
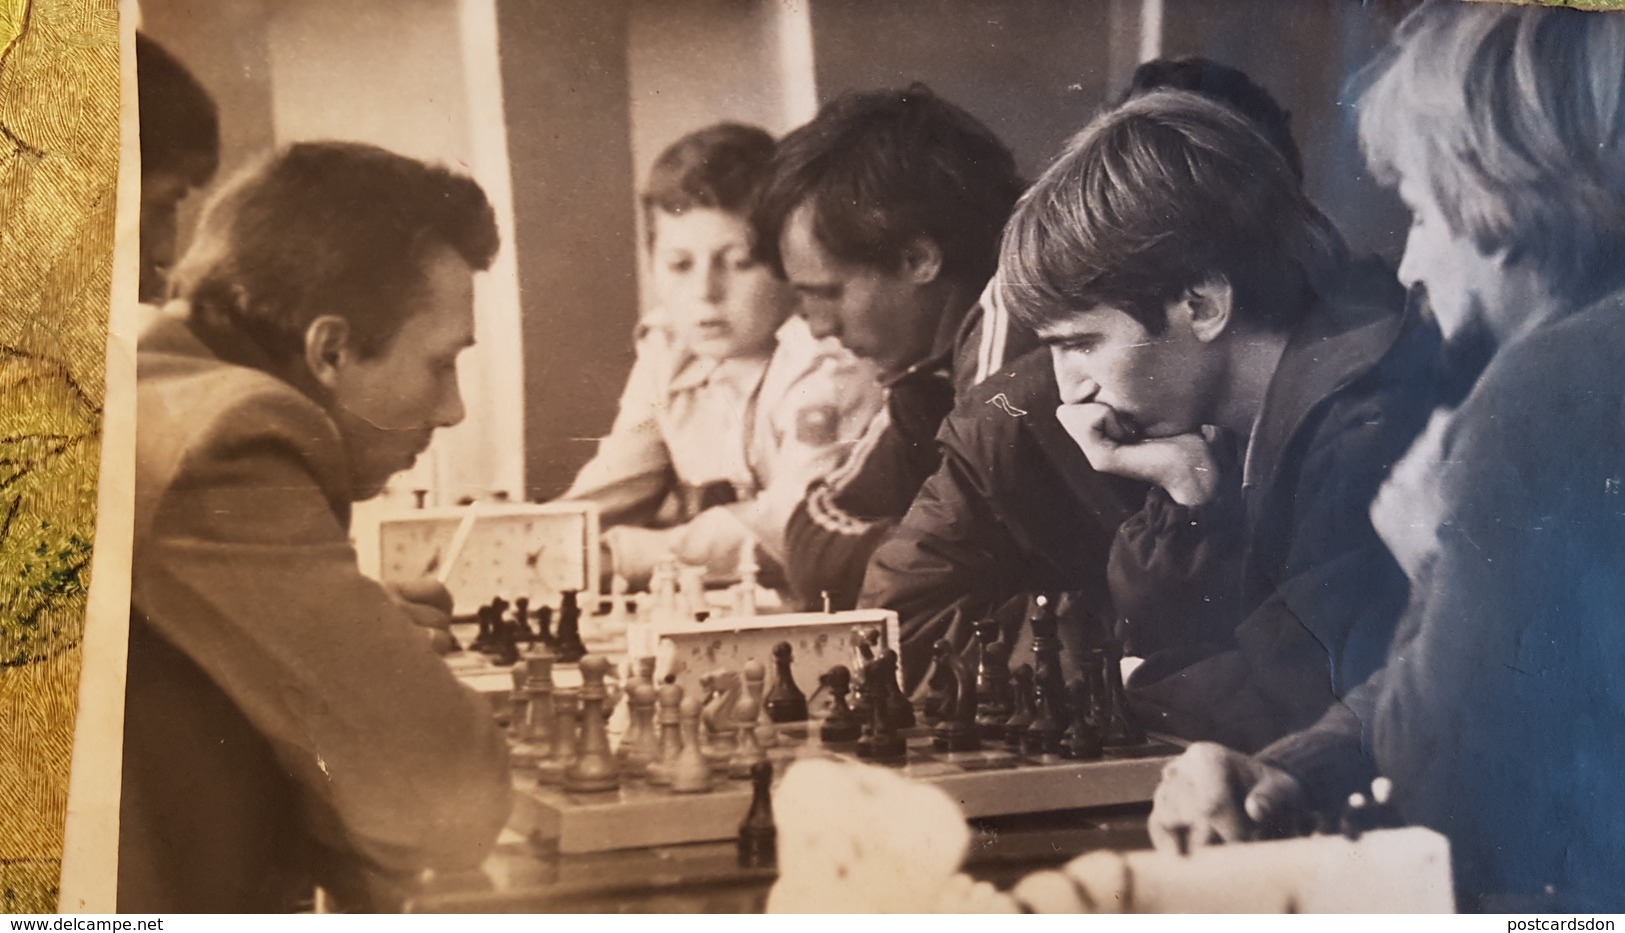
(840, 456)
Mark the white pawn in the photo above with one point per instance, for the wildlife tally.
(671, 737)
(690, 773)
(745, 590)
(767, 734)
(746, 752)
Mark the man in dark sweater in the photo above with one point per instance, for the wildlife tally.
(884, 213)
(1015, 508)
(1211, 338)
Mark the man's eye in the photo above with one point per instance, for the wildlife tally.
(680, 265)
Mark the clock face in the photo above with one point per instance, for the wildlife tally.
(532, 551)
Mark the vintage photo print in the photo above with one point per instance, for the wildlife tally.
(822, 455)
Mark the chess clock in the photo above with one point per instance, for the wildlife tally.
(489, 550)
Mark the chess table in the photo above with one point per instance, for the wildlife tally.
(992, 782)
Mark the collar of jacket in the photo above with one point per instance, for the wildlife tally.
(945, 349)
(1342, 338)
(691, 371)
(178, 326)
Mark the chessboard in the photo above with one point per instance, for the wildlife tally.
(986, 783)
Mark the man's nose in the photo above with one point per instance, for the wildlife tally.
(450, 412)
(1076, 385)
(821, 323)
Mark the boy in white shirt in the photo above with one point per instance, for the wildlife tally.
(733, 408)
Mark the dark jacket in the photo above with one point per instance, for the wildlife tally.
(1500, 715)
(1013, 509)
(846, 515)
(1296, 594)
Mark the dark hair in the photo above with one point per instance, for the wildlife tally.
(1228, 86)
(881, 169)
(180, 128)
(1151, 199)
(327, 228)
(718, 167)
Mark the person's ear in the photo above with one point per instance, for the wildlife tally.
(1208, 307)
(327, 349)
(922, 261)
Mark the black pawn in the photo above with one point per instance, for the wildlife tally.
(758, 835)
(570, 648)
(1120, 730)
(521, 618)
(957, 731)
(1015, 730)
(898, 707)
(1083, 739)
(993, 704)
(483, 638)
(881, 741)
(842, 725)
(786, 702)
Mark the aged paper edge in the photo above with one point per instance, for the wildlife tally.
(89, 882)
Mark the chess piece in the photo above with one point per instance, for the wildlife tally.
(747, 754)
(1382, 813)
(518, 701)
(521, 618)
(570, 647)
(785, 702)
(640, 745)
(1015, 730)
(670, 697)
(881, 741)
(690, 772)
(1049, 684)
(537, 731)
(898, 707)
(552, 769)
(1083, 741)
(507, 643)
(1353, 823)
(594, 769)
(615, 623)
(758, 835)
(544, 626)
(691, 591)
(842, 725)
(957, 731)
(767, 734)
(993, 706)
(942, 686)
(483, 636)
(1120, 730)
(420, 498)
(745, 589)
(717, 716)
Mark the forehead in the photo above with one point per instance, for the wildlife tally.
(806, 261)
(1099, 320)
(699, 229)
(440, 311)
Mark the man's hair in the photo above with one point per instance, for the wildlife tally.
(327, 228)
(885, 168)
(1515, 116)
(180, 128)
(717, 168)
(1155, 197)
(1229, 86)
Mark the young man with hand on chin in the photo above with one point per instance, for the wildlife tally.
(1211, 337)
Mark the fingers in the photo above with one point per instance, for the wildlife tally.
(1276, 797)
(426, 592)
(1199, 801)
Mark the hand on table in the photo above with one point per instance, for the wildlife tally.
(1211, 795)
(1183, 465)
